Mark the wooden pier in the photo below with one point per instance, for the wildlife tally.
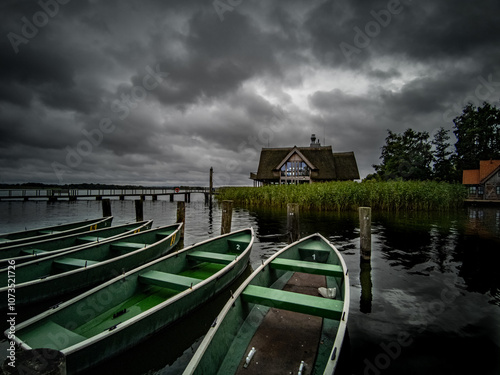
(53, 195)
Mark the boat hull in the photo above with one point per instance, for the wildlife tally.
(228, 342)
(31, 286)
(122, 332)
(16, 238)
(42, 248)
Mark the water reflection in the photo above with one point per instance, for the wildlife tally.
(417, 259)
(419, 242)
(365, 279)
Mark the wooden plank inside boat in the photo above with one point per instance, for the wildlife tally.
(286, 338)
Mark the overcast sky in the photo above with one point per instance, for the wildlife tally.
(157, 92)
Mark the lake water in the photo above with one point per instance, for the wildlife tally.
(427, 303)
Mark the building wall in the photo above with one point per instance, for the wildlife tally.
(489, 190)
(492, 187)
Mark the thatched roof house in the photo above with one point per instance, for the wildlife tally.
(296, 165)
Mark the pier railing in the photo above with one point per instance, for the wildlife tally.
(74, 194)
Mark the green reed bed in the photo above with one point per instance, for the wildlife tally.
(348, 195)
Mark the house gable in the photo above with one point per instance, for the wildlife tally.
(294, 151)
(488, 169)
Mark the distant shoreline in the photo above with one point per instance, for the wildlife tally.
(83, 186)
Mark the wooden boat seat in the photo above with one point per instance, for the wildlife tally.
(68, 264)
(206, 256)
(302, 303)
(307, 267)
(168, 280)
(33, 251)
(126, 245)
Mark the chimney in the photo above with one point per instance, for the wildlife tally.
(313, 141)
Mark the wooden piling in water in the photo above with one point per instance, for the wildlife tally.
(181, 218)
(211, 185)
(139, 215)
(227, 215)
(106, 207)
(292, 221)
(365, 232)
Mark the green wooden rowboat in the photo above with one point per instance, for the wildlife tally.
(28, 251)
(78, 269)
(124, 311)
(16, 238)
(277, 322)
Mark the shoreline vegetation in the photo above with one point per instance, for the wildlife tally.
(349, 195)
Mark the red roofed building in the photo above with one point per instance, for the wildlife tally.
(483, 183)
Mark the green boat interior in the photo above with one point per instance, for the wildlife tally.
(285, 319)
(133, 295)
(100, 252)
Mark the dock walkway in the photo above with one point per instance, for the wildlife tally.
(98, 194)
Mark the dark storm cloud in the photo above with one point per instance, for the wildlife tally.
(75, 92)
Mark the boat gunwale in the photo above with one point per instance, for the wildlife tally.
(123, 325)
(84, 223)
(140, 224)
(90, 266)
(330, 366)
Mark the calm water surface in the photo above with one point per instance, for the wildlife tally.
(427, 303)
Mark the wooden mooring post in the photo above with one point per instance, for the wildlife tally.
(139, 213)
(292, 221)
(227, 215)
(106, 207)
(181, 218)
(211, 185)
(365, 232)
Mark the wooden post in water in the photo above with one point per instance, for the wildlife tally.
(139, 216)
(181, 218)
(106, 207)
(227, 215)
(292, 221)
(211, 185)
(365, 232)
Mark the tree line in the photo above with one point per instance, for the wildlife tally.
(413, 155)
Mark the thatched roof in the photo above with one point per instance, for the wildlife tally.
(327, 164)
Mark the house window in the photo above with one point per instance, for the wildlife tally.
(472, 190)
(480, 190)
(294, 169)
(498, 190)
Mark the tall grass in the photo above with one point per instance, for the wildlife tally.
(341, 196)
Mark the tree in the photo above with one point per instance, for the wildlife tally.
(406, 156)
(478, 135)
(443, 168)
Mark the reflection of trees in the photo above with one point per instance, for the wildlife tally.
(478, 251)
(422, 242)
(330, 224)
(413, 239)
